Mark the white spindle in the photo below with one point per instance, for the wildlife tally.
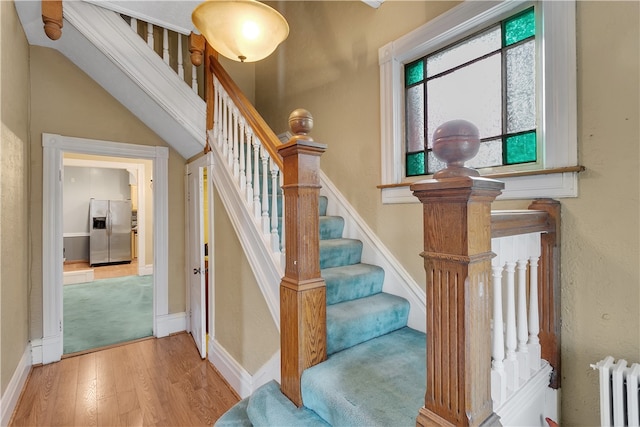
(243, 147)
(256, 178)
(236, 144)
(218, 113)
(230, 134)
(534, 317)
(275, 241)
(194, 79)
(498, 374)
(180, 63)
(265, 189)
(249, 169)
(134, 25)
(282, 221)
(511, 361)
(225, 127)
(522, 327)
(165, 45)
(150, 35)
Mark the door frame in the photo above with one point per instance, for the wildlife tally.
(205, 161)
(54, 147)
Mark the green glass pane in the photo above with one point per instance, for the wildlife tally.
(413, 73)
(520, 149)
(519, 27)
(415, 164)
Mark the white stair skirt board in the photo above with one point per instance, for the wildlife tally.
(80, 276)
(238, 378)
(527, 406)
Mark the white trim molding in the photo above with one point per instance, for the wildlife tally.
(10, 397)
(558, 92)
(54, 147)
(238, 378)
(171, 323)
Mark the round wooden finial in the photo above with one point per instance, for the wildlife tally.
(52, 28)
(454, 143)
(301, 122)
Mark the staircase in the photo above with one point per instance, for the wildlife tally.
(375, 370)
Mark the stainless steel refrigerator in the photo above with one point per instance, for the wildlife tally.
(110, 231)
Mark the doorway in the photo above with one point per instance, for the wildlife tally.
(54, 148)
(107, 285)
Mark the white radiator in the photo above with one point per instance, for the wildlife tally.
(619, 392)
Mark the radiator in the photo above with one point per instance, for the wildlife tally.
(619, 392)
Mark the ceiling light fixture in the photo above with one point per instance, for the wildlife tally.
(242, 30)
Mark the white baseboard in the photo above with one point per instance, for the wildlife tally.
(11, 395)
(238, 378)
(170, 324)
(146, 270)
(80, 276)
(36, 351)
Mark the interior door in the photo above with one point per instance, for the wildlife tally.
(196, 260)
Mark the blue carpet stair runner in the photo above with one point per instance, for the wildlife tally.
(375, 371)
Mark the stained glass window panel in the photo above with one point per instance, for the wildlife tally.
(415, 118)
(521, 88)
(464, 52)
(519, 27)
(472, 93)
(489, 155)
(520, 148)
(413, 73)
(415, 164)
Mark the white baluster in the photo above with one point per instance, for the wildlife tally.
(165, 45)
(236, 144)
(150, 36)
(511, 361)
(256, 178)
(230, 128)
(243, 147)
(275, 240)
(264, 157)
(225, 124)
(134, 25)
(194, 78)
(498, 374)
(534, 317)
(249, 169)
(218, 112)
(180, 63)
(282, 233)
(522, 327)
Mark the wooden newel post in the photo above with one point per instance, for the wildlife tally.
(457, 259)
(303, 326)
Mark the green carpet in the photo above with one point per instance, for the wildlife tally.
(107, 311)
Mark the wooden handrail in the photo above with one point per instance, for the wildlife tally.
(260, 128)
(514, 222)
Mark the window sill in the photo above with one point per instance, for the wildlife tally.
(553, 183)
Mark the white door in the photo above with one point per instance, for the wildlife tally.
(196, 260)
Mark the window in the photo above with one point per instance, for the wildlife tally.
(510, 69)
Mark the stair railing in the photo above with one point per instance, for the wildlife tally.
(458, 244)
(170, 46)
(525, 331)
(255, 156)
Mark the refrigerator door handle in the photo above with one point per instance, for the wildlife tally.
(109, 223)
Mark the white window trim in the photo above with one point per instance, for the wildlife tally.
(557, 122)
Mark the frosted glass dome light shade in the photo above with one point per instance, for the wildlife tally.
(242, 30)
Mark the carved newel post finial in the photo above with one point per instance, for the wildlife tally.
(301, 123)
(454, 143)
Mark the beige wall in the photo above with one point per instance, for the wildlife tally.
(14, 181)
(329, 65)
(243, 324)
(66, 101)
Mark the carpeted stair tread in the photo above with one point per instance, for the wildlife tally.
(350, 323)
(236, 416)
(338, 252)
(269, 407)
(331, 227)
(378, 383)
(322, 205)
(351, 282)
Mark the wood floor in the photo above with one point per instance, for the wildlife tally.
(107, 271)
(147, 383)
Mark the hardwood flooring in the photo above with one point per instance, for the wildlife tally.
(104, 271)
(152, 382)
